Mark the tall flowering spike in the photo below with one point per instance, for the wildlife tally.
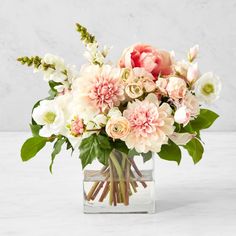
(86, 37)
(36, 62)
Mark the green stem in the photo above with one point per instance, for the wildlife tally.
(120, 175)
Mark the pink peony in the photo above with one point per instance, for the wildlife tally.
(149, 124)
(147, 57)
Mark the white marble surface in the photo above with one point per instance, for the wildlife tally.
(30, 27)
(191, 200)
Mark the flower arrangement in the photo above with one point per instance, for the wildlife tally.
(148, 102)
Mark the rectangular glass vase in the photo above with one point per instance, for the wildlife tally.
(125, 185)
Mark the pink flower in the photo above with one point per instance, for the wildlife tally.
(182, 115)
(147, 57)
(149, 124)
(193, 52)
(192, 104)
(98, 89)
(193, 73)
(77, 126)
(117, 127)
(176, 88)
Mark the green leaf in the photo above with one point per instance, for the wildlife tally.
(95, 146)
(205, 119)
(147, 156)
(195, 149)
(31, 147)
(103, 141)
(57, 148)
(133, 153)
(170, 152)
(35, 105)
(103, 155)
(120, 146)
(35, 129)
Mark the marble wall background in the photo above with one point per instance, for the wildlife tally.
(30, 27)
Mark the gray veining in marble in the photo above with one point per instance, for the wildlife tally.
(191, 199)
(35, 27)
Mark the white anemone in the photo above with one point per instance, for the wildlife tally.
(50, 116)
(207, 88)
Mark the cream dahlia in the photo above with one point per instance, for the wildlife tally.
(149, 124)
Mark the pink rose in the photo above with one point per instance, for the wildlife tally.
(145, 56)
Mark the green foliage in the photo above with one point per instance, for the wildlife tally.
(195, 149)
(56, 150)
(86, 37)
(95, 146)
(32, 146)
(35, 129)
(147, 156)
(170, 152)
(133, 153)
(205, 119)
(120, 146)
(53, 92)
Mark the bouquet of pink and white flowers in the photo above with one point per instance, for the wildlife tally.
(148, 102)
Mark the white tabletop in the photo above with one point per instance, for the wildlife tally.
(191, 199)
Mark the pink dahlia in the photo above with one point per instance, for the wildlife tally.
(149, 124)
(98, 89)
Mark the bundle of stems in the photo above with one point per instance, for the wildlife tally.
(118, 181)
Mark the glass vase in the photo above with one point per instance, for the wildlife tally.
(124, 185)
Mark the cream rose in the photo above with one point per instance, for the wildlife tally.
(134, 90)
(118, 127)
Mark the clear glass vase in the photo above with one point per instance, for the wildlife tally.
(125, 185)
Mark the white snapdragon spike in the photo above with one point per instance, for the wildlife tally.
(50, 116)
(207, 88)
(71, 76)
(54, 74)
(94, 55)
(193, 52)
